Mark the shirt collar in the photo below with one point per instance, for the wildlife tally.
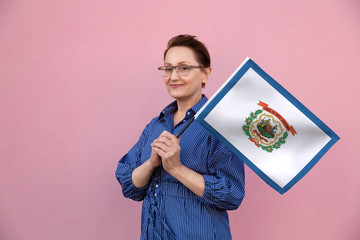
(172, 107)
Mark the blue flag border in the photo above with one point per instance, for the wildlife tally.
(230, 84)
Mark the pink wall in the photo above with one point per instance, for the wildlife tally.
(78, 82)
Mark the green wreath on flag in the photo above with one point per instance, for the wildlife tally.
(246, 129)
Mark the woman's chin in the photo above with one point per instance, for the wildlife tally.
(176, 94)
(177, 97)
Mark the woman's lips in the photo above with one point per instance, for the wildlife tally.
(175, 85)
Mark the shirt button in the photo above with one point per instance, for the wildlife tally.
(188, 113)
(157, 185)
(155, 194)
(183, 121)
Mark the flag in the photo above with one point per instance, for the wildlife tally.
(264, 125)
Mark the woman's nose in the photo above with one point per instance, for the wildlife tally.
(174, 75)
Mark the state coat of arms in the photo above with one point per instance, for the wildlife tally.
(267, 129)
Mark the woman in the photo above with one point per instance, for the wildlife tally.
(186, 185)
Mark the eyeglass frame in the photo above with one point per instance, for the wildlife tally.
(177, 67)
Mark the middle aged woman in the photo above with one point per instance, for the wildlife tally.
(188, 184)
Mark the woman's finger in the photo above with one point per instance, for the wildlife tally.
(170, 136)
(160, 152)
(160, 145)
(165, 141)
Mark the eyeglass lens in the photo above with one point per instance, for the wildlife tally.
(180, 70)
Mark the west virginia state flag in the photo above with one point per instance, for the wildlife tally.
(268, 128)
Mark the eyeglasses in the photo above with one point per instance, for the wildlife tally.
(181, 70)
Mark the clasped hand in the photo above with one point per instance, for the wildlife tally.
(167, 149)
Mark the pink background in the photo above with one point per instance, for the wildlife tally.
(78, 83)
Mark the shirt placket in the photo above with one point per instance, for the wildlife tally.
(178, 128)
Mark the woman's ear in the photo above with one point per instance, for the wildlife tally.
(207, 72)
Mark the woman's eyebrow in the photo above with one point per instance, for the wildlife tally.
(179, 63)
(184, 62)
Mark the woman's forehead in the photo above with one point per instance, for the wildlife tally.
(179, 54)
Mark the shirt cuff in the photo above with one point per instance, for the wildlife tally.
(213, 188)
(123, 174)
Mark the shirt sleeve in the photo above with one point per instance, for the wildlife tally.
(126, 166)
(225, 184)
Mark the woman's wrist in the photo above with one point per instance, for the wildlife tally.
(176, 171)
(141, 175)
(150, 163)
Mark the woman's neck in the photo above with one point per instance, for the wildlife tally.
(184, 105)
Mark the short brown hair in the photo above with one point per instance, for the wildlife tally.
(201, 53)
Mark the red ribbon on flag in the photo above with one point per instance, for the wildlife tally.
(254, 141)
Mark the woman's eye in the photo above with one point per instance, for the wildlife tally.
(168, 69)
(183, 68)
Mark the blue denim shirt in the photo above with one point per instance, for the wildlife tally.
(170, 210)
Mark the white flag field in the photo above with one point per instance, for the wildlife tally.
(268, 128)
